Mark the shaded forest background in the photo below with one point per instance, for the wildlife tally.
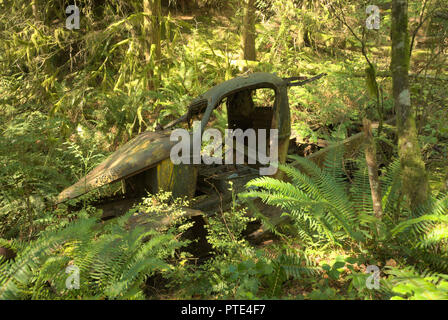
(69, 98)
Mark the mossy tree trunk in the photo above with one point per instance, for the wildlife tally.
(372, 166)
(152, 39)
(414, 178)
(248, 35)
(35, 10)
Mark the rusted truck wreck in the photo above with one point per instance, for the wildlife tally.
(144, 162)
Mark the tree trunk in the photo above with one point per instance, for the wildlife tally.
(151, 32)
(372, 166)
(414, 178)
(35, 10)
(248, 34)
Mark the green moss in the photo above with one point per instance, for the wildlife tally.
(414, 178)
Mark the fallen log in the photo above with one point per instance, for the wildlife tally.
(351, 146)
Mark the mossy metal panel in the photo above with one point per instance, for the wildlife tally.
(141, 153)
(253, 81)
(281, 114)
(179, 179)
(185, 178)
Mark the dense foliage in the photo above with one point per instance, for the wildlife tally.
(69, 98)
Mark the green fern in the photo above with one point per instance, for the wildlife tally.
(114, 262)
(410, 284)
(325, 206)
(316, 199)
(426, 235)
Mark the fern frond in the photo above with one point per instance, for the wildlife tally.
(318, 200)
